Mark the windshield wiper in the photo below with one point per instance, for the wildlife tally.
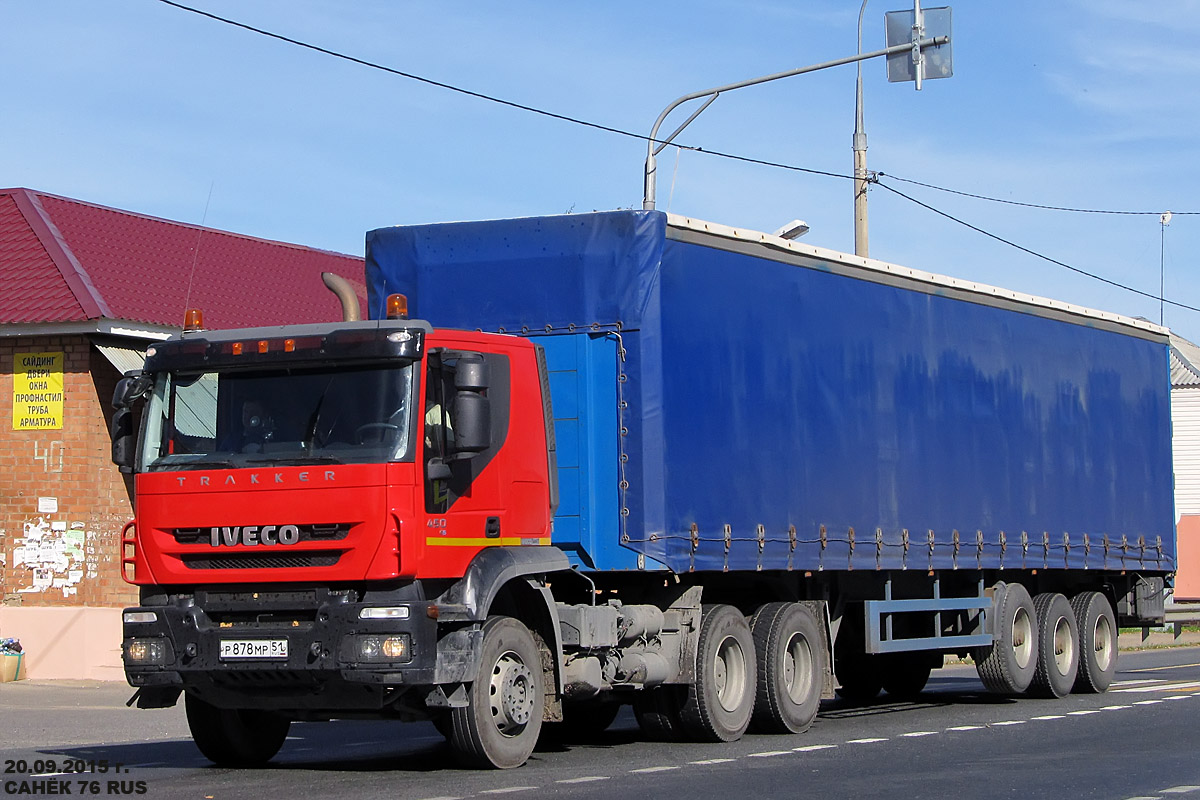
(210, 464)
(295, 460)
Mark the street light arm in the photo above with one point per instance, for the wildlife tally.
(648, 199)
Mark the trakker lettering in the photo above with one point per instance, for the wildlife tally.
(254, 479)
(253, 535)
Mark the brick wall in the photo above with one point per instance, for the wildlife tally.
(69, 556)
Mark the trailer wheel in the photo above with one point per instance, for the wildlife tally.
(499, 727)
(721, 700)
(790, 654)
(858, 677)
(657, 712)
(1007, 665)
(1058, 646)
(235, 737)
(904, 675)
(1097, 642)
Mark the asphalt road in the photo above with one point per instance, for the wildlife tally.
(1137, 741)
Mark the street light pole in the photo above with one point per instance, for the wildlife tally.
(654, 145)
(860, 156)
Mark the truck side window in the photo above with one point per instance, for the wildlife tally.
(440, 390)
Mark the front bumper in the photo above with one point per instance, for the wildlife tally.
(179, 641)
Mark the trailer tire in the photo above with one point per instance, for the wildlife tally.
(1007, 665)
(720, 701)
(1058, 647)
(1097, 642)
(904, 675)
(232, 737)
(657, 712)
(789, 649)
(500, 725)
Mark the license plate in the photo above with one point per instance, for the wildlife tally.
(254, 649)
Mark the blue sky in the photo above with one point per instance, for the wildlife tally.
(1096, 104)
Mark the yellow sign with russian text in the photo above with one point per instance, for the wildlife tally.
(37, 391)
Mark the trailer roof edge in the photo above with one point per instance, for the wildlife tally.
(750, 241)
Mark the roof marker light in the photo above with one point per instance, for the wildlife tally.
(236, 347)
(397, 306)
(193, 320)
(289, 345)
(262, 345)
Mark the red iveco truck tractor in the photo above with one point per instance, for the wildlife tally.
(631, 458)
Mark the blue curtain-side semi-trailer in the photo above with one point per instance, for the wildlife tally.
(730, 401)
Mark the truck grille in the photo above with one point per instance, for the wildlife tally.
(331, 532)
(312, 558)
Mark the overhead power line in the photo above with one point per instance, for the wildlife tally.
(487, 97)
(733, 156)
(1033, 205)
(1033, 253)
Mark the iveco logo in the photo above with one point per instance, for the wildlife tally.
(255, 535)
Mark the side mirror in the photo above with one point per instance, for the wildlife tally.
(472, 412)
(123, 439)
(130, 389)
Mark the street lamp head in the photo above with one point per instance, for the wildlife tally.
(793, 230)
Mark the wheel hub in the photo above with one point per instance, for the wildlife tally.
(511, 694)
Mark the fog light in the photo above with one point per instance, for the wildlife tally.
(369, 647)
(147, 651)
(385, 648)
(395, 647)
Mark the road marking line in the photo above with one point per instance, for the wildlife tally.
(509, 790)
(1138, 681)
(865, 741)
(443, 798)
(654, 769)
(1177, 697)
(1082, 713)
(707, 761)
(1114, 708)
(770, 753)
(1051, 716)
(809, 748)
(1144, 797)
(1156, 669)
(966, 728)
(1166, 687)
(1179, 790)
(1147, 702)
(921, 733)
(588, 779)
(1010, 722)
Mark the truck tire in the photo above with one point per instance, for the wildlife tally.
(788, 646)
(1007, 665)
(720, 701)
(1097, 642)
(657, 712)
(231, 737)
(499, 727)
(1058, 646)
(904, 675)
(858, 676)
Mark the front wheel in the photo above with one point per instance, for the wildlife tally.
(232, 737)
(499, 727)
(721, 700)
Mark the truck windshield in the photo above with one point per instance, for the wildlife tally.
(212, 420)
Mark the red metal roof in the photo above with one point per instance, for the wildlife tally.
(64, 260)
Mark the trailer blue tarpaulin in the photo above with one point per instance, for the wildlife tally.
(753, 403)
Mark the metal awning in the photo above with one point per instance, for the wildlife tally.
(123, 358)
